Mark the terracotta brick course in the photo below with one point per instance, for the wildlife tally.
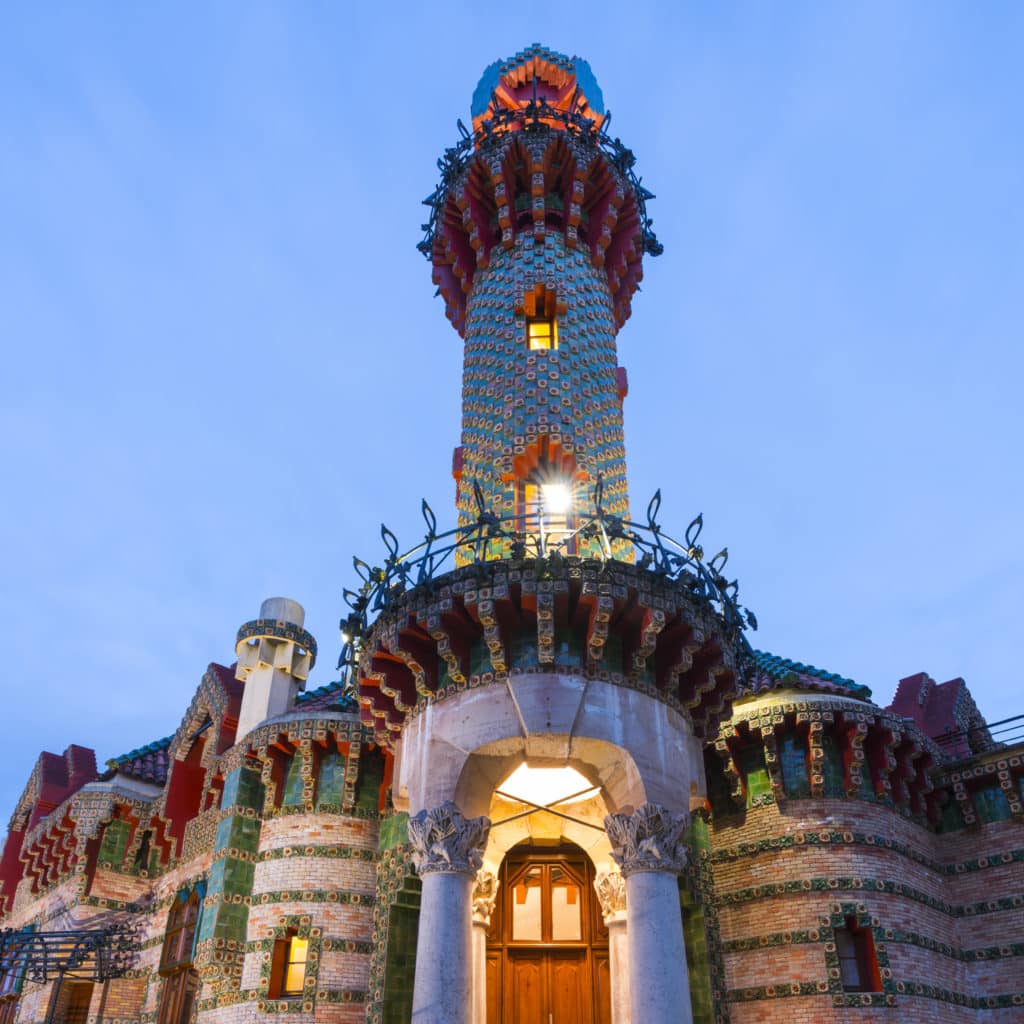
(318, 830)
(315, 873)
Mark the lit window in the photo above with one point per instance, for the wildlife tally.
(546, 901)
(288, 970)
(541, 334)
(858, 965)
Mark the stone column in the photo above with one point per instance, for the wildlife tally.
(447, 851)
(485, 892)
(611, 893)
(648, 846)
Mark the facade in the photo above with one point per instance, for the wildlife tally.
(555, 783)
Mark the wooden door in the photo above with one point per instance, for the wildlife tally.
(569, 994)
(548, 988)
(603, 986)
(79, 998)
(526, 989)
(547, 955)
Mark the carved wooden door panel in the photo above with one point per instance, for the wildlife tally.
(547, 955)
(602, 987)
(526, 989)
(494, 983)
(548, 988)
(569, 999)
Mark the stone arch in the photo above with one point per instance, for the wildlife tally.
(494, 762)
(636, 748)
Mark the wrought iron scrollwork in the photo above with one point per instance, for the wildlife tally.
(96, 954)
(536, 115)
(474, 543)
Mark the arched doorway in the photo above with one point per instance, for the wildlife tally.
(547, 946)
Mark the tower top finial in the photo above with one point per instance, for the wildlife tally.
(539, 162)
(566, 84)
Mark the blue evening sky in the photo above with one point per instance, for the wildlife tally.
(224, 366)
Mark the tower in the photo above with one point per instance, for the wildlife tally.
(546, 700)
(536, 237)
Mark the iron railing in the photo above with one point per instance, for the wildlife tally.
(95, 954)
(534, 116)
(85, 954)
(1007, 732)
(529, 536)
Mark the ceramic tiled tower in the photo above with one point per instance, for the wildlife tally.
(536, 247)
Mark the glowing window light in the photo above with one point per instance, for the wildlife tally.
(557, 498)
(295, 967)
(541, 334)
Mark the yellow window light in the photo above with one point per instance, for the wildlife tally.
(295, 971)
(541, 334)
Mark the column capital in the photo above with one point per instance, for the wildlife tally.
(444, 842)
(648, 839)
(611, 894)
(485, 894)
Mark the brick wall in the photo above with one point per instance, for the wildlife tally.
(947, 912)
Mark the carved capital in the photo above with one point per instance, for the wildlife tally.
(649, 839)
(611, 893)
(443, 841)
(485, 893)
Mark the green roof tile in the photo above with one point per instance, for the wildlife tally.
(778, 668)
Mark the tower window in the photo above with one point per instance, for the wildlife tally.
(288, 968)
(858, 964)
(541, 333)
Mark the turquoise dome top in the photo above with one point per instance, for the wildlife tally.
(574, 66)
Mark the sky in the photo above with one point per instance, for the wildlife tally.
(225, 366)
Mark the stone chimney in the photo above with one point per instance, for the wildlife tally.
(275, 656)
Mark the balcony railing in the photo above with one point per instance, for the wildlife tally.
(964, 743)
(526, 537)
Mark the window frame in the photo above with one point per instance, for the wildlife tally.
(283, 959)
(551, 335)
(861, 953)
(10, 984)
(182, 924)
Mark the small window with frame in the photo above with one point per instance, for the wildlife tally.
(541, 308)
(858, 962)
(288, 966)
(541, 333)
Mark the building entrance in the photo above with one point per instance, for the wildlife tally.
(547, 946)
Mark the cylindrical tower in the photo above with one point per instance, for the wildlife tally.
(546, 700)
(537, 236)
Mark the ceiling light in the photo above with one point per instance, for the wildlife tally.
(546, 786)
